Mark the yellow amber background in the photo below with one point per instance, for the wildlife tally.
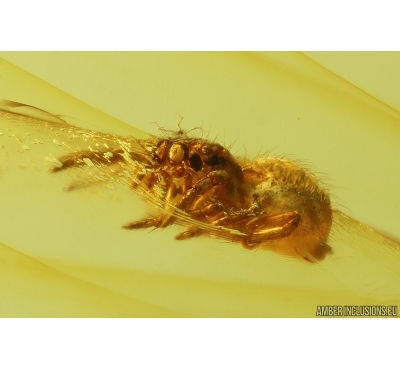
(66, 254)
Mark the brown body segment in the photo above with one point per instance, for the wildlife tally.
(282, 186)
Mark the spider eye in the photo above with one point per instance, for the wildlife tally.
(215, 160)
(206, 149)
(177, 153)
(195, 162)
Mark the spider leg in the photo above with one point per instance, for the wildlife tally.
(212, 179)
(215, 178)
(264, 228)
(208, 212)
(235, 219)
(191, 232)
(156, 222)
(83, 157)
(144, 223)
(97, 157)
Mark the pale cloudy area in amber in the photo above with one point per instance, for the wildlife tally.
(66, 255)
